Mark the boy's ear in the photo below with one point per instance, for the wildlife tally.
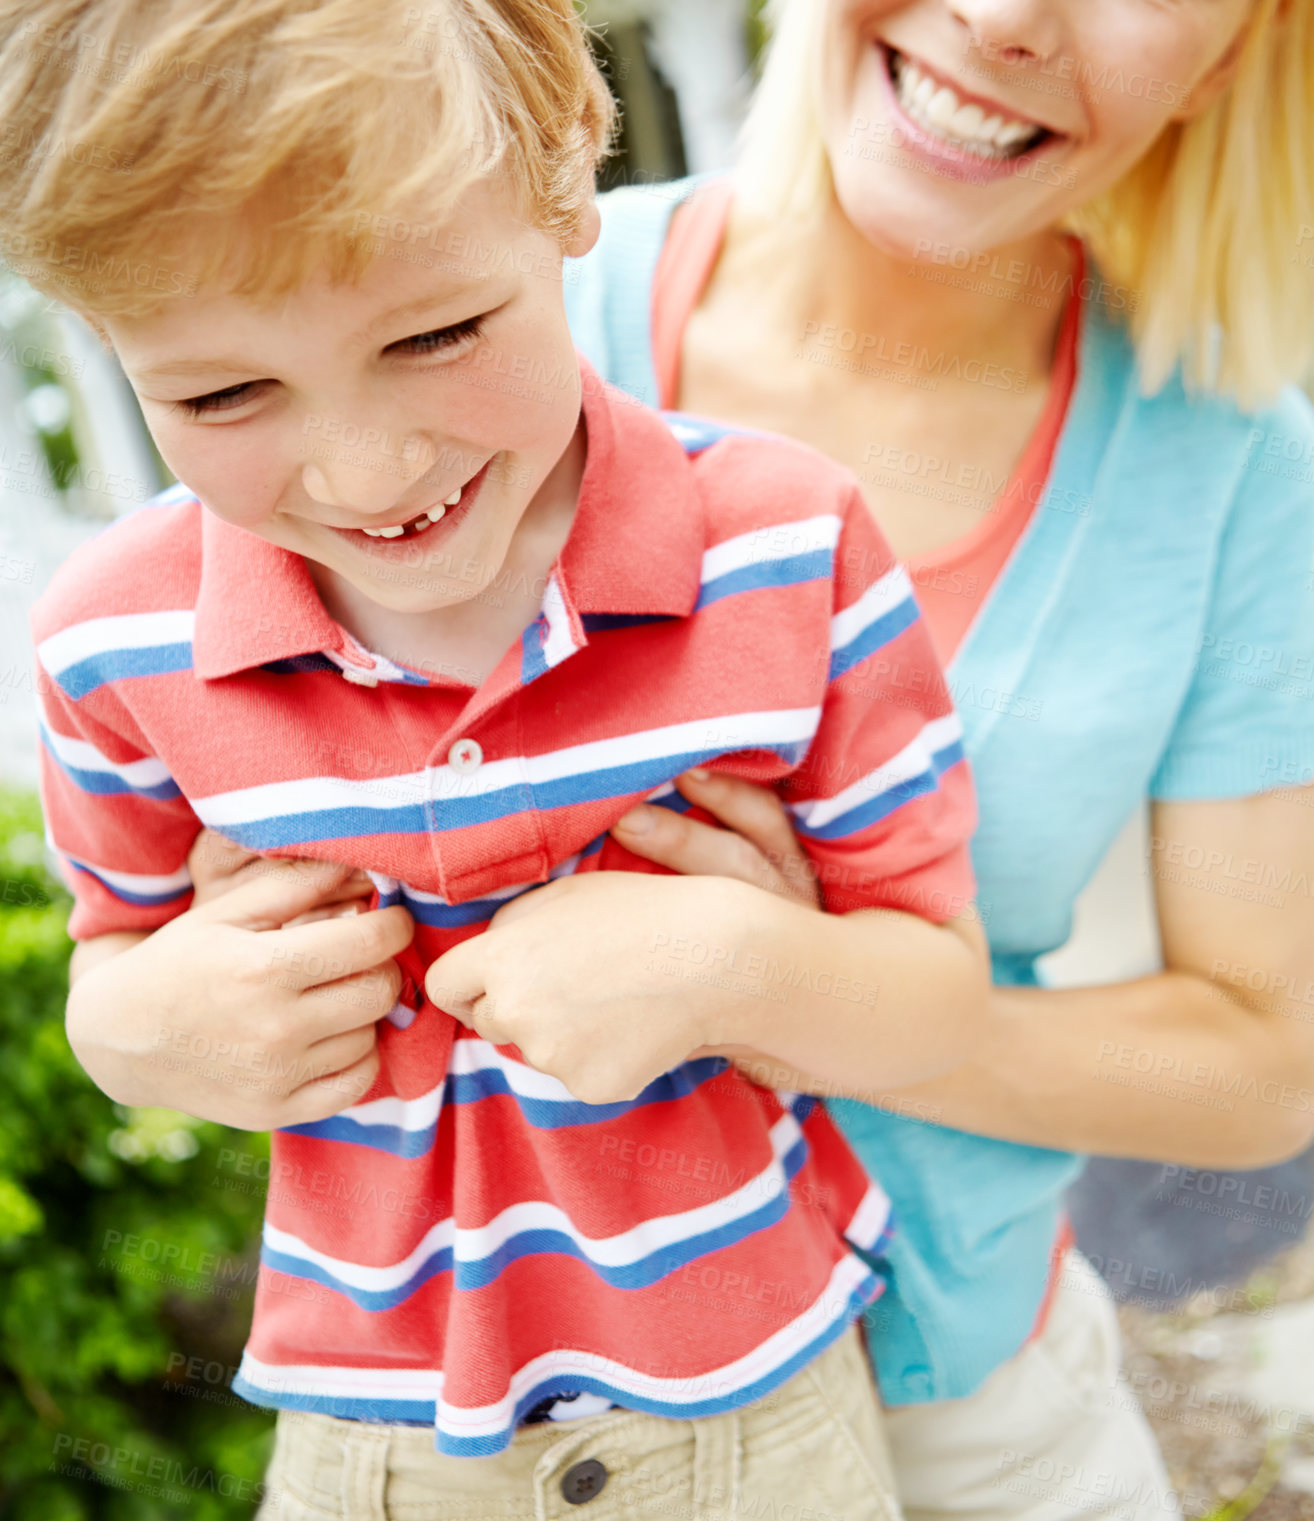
(586, 233)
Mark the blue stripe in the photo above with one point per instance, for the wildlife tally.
(601, 623)
(874, 637)
(543, 1114)
(295, 665)
(533, 662)
(410, 1412)
(117, 665)
(697, 433)
(138, 900)
(675, 801)
(815, 565)
(868, 1288)
(460, 813)
(106, 783)
(541, 1241)
(477, 910)
(883, 804)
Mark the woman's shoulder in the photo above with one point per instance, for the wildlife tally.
(608, 292)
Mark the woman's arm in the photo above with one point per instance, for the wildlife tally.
(1209, 1063)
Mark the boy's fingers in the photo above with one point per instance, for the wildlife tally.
(311, 955)
(459, 978)
(350, 1002)
(326, 1096)
(213, 858)
(272, 892)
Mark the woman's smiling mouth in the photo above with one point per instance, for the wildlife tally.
(981, 135)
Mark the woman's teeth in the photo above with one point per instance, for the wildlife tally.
(416, 525)
(939, 110)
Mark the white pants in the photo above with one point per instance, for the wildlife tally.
(1053, 1435)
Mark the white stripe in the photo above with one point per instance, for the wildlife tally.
(719, 733)
(730, 731)
(473, 1245)
(81, 756)
(130, 882)
(472, 1054)
(912, 760)
(870, 1218)
(359, 1383)
(427, 1384)
(892, 588)
(780, 541)
(124, 631)
(406, 1114)
(559, 642)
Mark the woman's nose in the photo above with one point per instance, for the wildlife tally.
(1012, 31)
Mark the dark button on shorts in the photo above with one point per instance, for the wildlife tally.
(581, 1481)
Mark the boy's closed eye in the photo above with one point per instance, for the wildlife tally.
(458, 336)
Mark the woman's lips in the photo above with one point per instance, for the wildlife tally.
(981, 165)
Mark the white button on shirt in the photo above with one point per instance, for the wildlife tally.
(465, 756)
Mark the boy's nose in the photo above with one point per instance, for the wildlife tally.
(367, 480)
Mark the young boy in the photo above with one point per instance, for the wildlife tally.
(435, 604)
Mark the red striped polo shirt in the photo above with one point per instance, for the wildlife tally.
(469, 1245)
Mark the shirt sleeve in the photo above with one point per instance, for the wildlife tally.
(115, 818)
(1246, 724)
(883, 804)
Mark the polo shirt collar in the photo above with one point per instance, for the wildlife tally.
(635, 468)
(258, 603)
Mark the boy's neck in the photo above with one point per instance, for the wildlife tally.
(465, 641)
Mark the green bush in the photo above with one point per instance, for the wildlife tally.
(128, 1249)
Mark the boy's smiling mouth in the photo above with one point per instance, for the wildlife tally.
(445, 515)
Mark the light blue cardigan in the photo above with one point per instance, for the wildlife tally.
(1151, 634)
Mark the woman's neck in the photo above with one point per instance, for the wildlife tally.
(826, 283)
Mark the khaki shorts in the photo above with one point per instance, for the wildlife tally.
(1054, 1434)
(812, 1450)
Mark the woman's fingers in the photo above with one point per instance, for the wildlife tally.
(752, 811)
(696, 849)
(757, 845)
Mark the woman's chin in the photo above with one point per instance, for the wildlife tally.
(911, 226)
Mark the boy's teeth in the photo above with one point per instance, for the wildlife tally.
(454, 498)
(937, 108)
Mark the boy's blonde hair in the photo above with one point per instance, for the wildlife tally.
(1213, 229)
(140, 129)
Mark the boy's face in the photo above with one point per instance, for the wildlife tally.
(331, 413)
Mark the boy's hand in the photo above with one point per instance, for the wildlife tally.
(590, 976)
(217, 865)
(226, 1015)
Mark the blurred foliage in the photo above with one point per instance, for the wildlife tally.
(128, 1242)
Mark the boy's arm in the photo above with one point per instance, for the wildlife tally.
(884, 809)
(201, 1008)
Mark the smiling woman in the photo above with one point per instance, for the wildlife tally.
(1015, 263)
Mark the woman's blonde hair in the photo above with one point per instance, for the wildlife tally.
(139, 128)
(1213, 229)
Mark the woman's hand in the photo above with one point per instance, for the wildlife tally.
(607, 979)
(757, 845)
